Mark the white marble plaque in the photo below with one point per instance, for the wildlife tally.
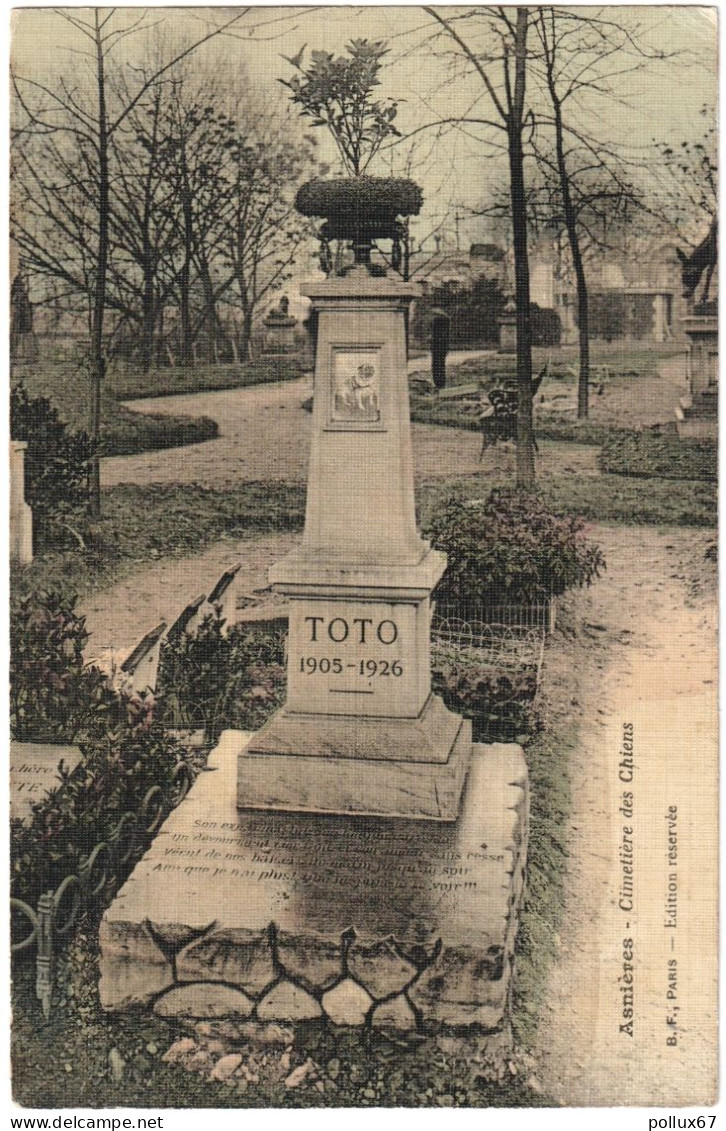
(356, 391)
(355, 658)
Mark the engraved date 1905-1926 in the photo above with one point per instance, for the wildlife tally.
(309, 665)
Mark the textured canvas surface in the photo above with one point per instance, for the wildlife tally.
(158, 297)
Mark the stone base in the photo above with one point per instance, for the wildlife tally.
(342, 764)
(697, 416)
(34, 771)
(360, 920)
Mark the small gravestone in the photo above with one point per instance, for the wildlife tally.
(34, 770)
(223, 598)
(140, 669)
(187, 621)
(21, 516)
(280, 329)
(508, 328)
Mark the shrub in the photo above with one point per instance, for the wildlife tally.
(499, 700)
(57, 463)
(85, 808)
(510, 549)
(217, 678)
(474, 311)
(128, 433)
(546, 326)
(649, 455)
(128, 382)
(54, 695)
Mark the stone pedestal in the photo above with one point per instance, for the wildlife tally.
(508, 333)
(360, 731)
(363, 921)
(21, 516)
(702, 357)
(697, 414)
(279, 334)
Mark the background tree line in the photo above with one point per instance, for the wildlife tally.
(190, 187)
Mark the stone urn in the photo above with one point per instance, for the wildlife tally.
(361, 210)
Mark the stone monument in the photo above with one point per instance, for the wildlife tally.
(361, 731)
(697, 413)
(21, 516)
(307, 893)
(508, 328)
(280, 329)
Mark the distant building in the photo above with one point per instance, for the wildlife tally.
(634, 294)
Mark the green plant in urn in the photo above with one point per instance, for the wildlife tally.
(339, 93)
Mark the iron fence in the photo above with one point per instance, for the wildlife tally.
(101, 872)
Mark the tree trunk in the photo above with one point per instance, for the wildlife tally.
(573, 236)
(245, 350)
(148, 318)
(148, 305)
(525, 431)
(97, 363)
(583, 326)
(185, 318)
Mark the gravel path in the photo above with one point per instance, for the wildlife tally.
(266, 435)
(660, 676)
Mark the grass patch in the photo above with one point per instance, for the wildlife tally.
(648, 455)
(125, 384)
(550, 802)
(163, 520)
(123, 432)
(462, 414)
(622, 362)
(598, 498)
(141, 523)
(571, 431)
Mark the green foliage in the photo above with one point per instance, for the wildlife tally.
(648, 455)
(499, 700)
(113, 778)
(510, 548)
(474, 312)
(131, 432)
(219, 677)
(54, 695)
(123, 432)
(57, 464)
(338, 93)
(130, 382)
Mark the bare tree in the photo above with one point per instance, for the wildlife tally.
(688, 179)
(89, 122)
(584, 55)
(263, 232)
(506, 56)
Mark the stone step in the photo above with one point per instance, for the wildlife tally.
(291, 916)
